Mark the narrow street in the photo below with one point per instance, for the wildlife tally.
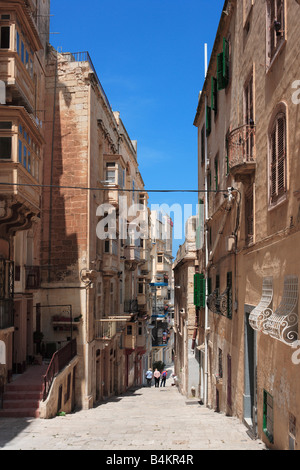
(141, 419)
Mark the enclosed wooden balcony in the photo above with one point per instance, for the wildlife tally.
(241, 152)
(20, 163)
(20, 41)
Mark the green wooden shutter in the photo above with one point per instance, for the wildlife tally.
(208, 120)
(223, 66)
(214, 94)
(199, 290)
(225, 61)
(220, 80)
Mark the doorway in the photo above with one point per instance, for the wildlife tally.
(250, 367)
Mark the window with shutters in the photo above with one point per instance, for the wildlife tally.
(278, 158)
(208, 120)
(203, 145)
(268, 420)
(276, 33)
(249, 118)
(223, 66)
(249, 223)
(217, 172)
(199, 290)
(214, 95)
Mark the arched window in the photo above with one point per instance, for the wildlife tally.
(278, 157)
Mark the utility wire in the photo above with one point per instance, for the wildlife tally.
(108, 188)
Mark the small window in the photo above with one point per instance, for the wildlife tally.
(5, 125)
(159, 258)
(106, 246)
(141, 287)
(129, 330)
(5, 37)
(5, 148)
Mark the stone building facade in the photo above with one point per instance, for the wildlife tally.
(186, 361)
(24, 32)
(90, 262)
(248, 134)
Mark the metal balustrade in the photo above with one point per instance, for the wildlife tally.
(283, 323)
(260, 313)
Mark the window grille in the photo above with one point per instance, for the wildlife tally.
(278, 157)
(283, 323)
(258, 316)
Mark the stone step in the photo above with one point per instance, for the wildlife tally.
(24, 387)
(21, 395)
(19, 404)
(19, 413)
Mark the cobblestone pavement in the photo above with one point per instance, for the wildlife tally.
(158, 419)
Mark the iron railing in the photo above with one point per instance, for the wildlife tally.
(59, 360)
(241, 145)
(85, 57)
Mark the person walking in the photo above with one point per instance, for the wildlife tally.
(156, 377)
(149, 375)
(163, 378)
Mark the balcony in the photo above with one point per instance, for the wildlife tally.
(20, 150)
(110, 264)
(133, 257)
(241, 152)
(105, 330)
(130, 335)
(17, 55)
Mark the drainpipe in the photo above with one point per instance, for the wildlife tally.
(206, 255)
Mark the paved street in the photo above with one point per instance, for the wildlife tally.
(142, 419)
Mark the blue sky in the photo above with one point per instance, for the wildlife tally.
(149, 57)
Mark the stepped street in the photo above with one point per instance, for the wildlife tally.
(156, 419)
